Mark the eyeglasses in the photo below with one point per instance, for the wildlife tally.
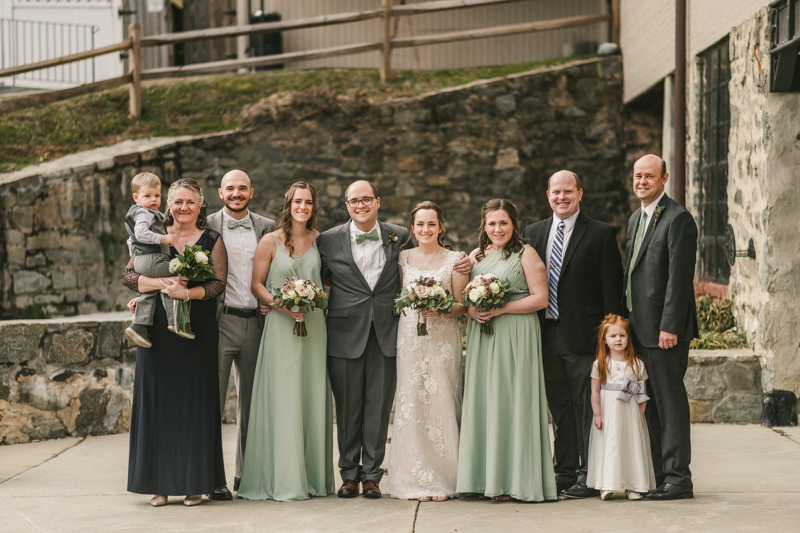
(366, 202)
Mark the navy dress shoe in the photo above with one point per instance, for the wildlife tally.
(668, 491)
(579, 490)
(220, 493)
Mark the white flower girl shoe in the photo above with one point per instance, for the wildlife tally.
(605, 494)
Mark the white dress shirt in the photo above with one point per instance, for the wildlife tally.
(240, 243)
(649, 210)
(569, 225)
(369, 256)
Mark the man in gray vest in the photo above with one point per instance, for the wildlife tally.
(240, 322)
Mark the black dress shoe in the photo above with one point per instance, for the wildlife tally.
(371, 490)
(220, 493)
(562, 486)
(580, 490)
(349, 489)
(668, 491)
(236, 482)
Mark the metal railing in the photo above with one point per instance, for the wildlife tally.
(23, 42)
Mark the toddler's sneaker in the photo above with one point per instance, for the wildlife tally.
(185, 334)
(139, 335)
(633, 495)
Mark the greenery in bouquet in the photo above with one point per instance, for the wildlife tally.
(485, 292)
(424, 294)
(196, 265)
(298, 295)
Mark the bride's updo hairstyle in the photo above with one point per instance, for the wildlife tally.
(192, 185)
(439, 216)
(285, 217)
(515, 242)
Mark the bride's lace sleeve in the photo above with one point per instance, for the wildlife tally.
(130, 278)
(216, 285)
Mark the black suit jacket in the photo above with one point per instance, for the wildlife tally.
(590, 281)
(662, 283)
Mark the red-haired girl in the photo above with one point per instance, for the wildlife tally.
(619, 445)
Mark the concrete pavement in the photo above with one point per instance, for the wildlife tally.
(745, 480)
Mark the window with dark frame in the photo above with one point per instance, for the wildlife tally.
(713, 176)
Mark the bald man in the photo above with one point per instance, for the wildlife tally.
(659, 295)
(240, 322)
(584, 270)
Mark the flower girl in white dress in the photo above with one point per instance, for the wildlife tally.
(619, 444)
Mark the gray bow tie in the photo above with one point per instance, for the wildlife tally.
(244, 223)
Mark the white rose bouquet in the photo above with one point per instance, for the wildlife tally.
(485, 292)
(196, 264)
(299, 295)
(424, 294)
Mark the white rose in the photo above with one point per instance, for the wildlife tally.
(421, 290)
(174, 265)
(291, 294)
(201, 258)
(298, 283)
(474, 295)
(494, 287)
(482, 290)
(302, 291)
(440, 290)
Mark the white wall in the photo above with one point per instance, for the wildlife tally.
(647, 35)
(100, 13)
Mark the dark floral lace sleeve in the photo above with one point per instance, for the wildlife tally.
(219, 255)
(213, 287)
(129, 277)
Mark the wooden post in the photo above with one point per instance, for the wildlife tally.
(615, 21)
(135, 31)
(386, 38)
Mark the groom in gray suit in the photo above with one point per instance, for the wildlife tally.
(359, 260)
(240, 322)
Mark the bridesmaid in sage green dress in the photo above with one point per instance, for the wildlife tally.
(504, 451)
(289, 452)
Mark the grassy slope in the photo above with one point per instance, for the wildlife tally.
(200, 105)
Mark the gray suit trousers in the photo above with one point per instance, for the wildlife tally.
(364, 391)
(153, 266)
(239, 340)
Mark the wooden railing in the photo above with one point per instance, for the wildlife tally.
(387, 43)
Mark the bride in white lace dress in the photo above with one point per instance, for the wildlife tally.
(423, 456)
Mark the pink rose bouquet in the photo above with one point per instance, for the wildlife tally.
(299, 295)
(424, 294)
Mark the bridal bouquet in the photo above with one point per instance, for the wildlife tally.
(485, 292)
(299, 295)
(196, 264)
(424, 294)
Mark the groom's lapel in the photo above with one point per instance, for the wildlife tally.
(387, 249)
(344, 240)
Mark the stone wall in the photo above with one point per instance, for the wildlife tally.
(763, 165)
(62, 249)
(74, 377)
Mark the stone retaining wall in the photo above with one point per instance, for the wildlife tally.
(62, 235)
(74, 377)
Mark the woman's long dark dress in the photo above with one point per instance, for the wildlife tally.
(176, 433)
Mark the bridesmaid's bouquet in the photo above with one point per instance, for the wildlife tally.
(424, 294)
(485, 292)
(196, 264)
(299, 295)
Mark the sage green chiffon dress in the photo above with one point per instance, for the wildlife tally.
(505, 441)
(289, 451)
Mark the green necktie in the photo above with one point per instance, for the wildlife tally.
(371, 236)
(637, 244)
(244, 223)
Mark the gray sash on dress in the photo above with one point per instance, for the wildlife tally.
(628, 389)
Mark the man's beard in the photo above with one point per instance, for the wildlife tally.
(230, 208)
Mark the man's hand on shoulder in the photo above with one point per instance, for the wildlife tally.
(464, 264)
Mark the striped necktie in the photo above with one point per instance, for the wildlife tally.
(555, 271)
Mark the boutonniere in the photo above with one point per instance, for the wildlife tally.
(392, 238)
(657, 214)
(264, 232)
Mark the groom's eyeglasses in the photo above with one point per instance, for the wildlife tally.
(366, 202)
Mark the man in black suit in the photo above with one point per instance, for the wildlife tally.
(659, 277)
(584, 270)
